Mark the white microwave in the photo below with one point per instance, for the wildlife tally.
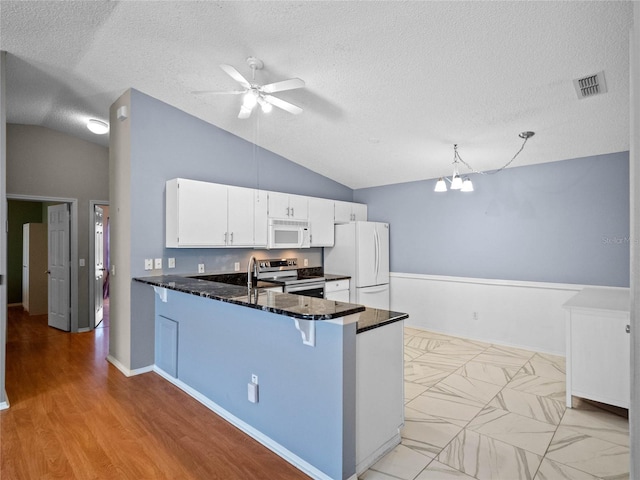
(285, 233)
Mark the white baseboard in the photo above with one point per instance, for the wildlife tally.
(378, 454)
(14, 304)
(527, 315)
(4, 405)
(126, 371)
(257, 435)
(83, 330)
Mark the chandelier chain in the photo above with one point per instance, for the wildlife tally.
(493, 171)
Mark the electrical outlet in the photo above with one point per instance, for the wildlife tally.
(236, 266)
(254, 379)
(201, 268)
(171, 263)
(475, 315)
(148, 263)
(252, 392)
(306, 262)
(157, 264)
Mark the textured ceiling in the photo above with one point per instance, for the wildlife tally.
(390, 85)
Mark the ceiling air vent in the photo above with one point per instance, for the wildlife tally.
(590, 85)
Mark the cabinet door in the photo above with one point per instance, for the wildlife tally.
(202, 214)
(298, 207)
(359, 212)
(321, 220)
(600, 356)
(278, 205)
(167, 345)
(342, 212)
(240, 217)
(260, 218)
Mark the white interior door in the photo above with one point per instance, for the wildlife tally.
(59, 271)
(98, 223)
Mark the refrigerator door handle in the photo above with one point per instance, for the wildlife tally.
(377, 253)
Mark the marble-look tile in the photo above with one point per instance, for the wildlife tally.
(424, 373)
(460, 349)
(442, 361)
(373, 475)
(503, 356)
(513, 429)
(453, 409)
(533, 406)
(550, 470)
(545, 387)
(588, 454)
(425, 433)
(439, 471)
(598, 423)
(546, 366)
(486, 458)
(430, 334)
(401, 463)
(488, 372)
(470, 388)
(423, 345)
(412, 390)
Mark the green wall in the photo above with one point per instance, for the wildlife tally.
(19, 213)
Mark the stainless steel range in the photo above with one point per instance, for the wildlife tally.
(284, 271)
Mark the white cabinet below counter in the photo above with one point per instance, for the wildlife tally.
(598, 346)
(337, 290)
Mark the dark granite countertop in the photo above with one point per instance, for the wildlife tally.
(297, 306)
(374, 317)
(330, 277)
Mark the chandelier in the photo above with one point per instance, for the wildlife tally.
(464, 184)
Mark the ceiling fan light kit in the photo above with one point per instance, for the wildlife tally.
(464, 184)
(255, 94)
(97, 126)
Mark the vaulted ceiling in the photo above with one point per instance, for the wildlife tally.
(390, 86)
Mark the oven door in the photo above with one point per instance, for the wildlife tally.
(308, 289)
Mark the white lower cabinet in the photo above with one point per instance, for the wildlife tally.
(598, 346)
(337, 290)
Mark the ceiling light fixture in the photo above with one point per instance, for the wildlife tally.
(98, 127)
(464, 184)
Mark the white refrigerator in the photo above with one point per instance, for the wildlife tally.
(361, 250)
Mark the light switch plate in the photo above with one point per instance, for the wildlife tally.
(171, 263)
(306, 262)
(81, 261)
(236, 266)
(201, 268)
(157, 263)
(148, 263)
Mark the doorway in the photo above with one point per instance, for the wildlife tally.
(99, 250)
(27, 209)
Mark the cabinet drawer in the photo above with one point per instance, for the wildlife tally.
(336, 285)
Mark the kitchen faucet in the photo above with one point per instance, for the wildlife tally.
(252, 263)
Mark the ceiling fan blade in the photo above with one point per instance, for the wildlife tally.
(290, 84)
(277, 102)
(235, 74)
(244, 112)
(213, 92)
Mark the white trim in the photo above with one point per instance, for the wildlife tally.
(4, 405)
(275, 447)
(497, 282)
(14, 305)
(126, 371)
(73, 241)
(84, 330)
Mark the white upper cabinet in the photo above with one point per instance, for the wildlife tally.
(321, 221)
(203, 214)
(260, 218)
(284, 205)
(240, 217)
(346, 212)
(196, 214)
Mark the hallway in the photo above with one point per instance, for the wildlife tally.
(73, 415)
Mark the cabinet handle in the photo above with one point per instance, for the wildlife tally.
(231, 238)
(288, 211)
(225, 237)
(292, 214)
(627, 329)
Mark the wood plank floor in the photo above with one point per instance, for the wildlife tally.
(74, 415)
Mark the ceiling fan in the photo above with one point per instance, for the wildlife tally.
(255, 94)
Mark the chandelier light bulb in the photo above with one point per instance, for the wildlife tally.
(250, 99)
(441, 185)
(467, 185)
(456, 182)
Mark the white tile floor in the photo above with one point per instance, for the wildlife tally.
(475, 410)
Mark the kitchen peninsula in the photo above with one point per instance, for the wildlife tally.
(317, 381)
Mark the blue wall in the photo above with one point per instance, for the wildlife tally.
(561, 222)
(168, 143)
